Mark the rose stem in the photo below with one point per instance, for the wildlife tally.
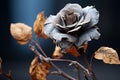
(92, 75)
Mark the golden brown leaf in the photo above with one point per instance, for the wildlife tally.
(21, 32)
(39, 70)
(108, 55)
(39, 25)
(73, 51)
(57, 53)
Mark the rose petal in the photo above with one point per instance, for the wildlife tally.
(75, 29)
(85, 21)
(56, 35)
(88, 36)
(94, 14)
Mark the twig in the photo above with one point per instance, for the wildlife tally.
(78, 72)
(91, 59)
(71, 63)
(8, 76)
(47, 60)
(85, 75)
(38, 45)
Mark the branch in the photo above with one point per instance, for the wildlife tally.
(39, 47)
(32, 48)
(8, 76)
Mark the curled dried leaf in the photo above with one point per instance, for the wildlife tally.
(108, 55)
(21, 32)
(39, 25)
(39, 70)
(57, 53)
(73, 51)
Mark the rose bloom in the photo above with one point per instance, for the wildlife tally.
(73, 26)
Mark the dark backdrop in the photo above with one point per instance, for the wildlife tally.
(17, 58)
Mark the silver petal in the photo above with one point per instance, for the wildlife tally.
(75, 29)
(94, 14)
(56, 35)
(85, 21)
(88, 36)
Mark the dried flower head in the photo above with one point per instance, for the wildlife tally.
(39, 70)
(39, 25)
(21, 32)
(108, 55)
(73, 26)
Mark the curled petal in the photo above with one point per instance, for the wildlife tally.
(85, 21)
(49, 25)
(94, 14)
(56, 35)
(75, 29)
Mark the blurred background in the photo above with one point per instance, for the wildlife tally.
(17, 58)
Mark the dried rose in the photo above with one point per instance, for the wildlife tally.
(39, 70)
(21, 32)
(39, 25)
(57, 53)
(73, 26)
(108, 55)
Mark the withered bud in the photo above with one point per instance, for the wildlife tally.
(57, 53)
(108, 55)
(21, 32)
(39, 25)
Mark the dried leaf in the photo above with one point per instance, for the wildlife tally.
(39, 25)
(108, 55)
(57, 53)
(73, 51)
(39, 70)
(21, 32)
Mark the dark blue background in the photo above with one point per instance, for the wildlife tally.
(17, 58)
